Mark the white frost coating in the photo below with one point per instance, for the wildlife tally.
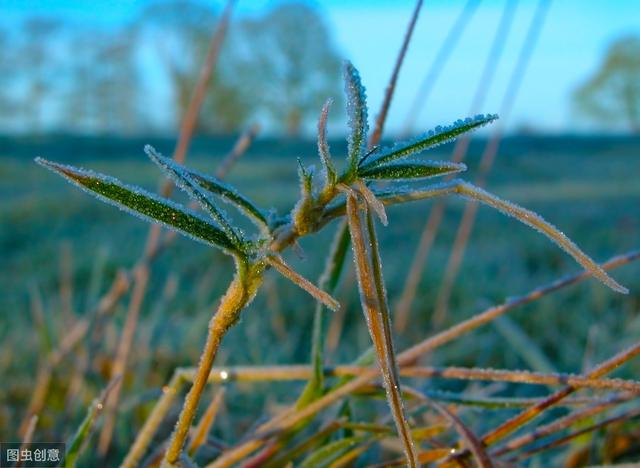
(285, 270)
(540, 224)
(446, 167)
(226, 192)
(435, 137)
(531, 219)
(183, 180)
(356, 113)
(60, 168)
(375, 204)
(329, 171)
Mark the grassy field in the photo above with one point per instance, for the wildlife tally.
(589, 188)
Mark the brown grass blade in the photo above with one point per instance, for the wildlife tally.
(239, 149)
(489, 155)
(561, 423)
(627, 416)
(373, 305)
(206, 422)
(292, 416)
(141, 278)
(285, 270)
(514, 423)
(388, 95)
(472, 441)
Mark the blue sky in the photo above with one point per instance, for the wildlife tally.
(369, 33)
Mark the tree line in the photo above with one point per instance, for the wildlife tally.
(57, 75)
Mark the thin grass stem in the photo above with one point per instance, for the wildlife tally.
(374, 305)
(206, 422)
(285, 270)
(238, 295)
(388, 94)
(292, 416)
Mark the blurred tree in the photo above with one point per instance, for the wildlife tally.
(36, 61)
(103, 82)
(612, 94)
(292, 66)
(181, 31)
(6, 103)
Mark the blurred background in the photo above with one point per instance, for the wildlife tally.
(91, 82)
(127, 67)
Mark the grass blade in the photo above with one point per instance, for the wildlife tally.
(143, 204)
(206, 422)
(531, 219)
(373, 203)
(285, 270)
(327, 282)
(74, 447)
(434, 137)
(187, 184)
(472, 441)
(536, 221)
(357, 118)
(228, 193)
(323, 146)
(373, 308)
(412, 170)
(331, 451)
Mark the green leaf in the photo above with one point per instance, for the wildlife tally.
(228, 193)
(323, 146)
(74, 447)
(143, 204)
(184, 181)
(357, 118)
(325, 455)
(306, 179)
(412, 170)
(327, 282)
(434, 137)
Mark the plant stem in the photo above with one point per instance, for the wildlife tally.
(294, 415)
(235, 299)
(374, 307)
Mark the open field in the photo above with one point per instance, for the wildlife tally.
(589, 188)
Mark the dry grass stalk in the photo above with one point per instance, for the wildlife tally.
(205, 424)
(388, 95)
(141, 279)
(239, 149)
(373, 305)
(627, 416)
(514, 423)
(488, 157)
(434, 219)
(471, 440)
(293, 416)
(285, 270)
(561, 423)
(304, 372)
(28, 436)
(437, 66)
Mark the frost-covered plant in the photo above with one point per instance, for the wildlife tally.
(323, 197)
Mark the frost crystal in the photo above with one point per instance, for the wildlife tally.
(356, 114)
(143, 204)
(432, 138)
